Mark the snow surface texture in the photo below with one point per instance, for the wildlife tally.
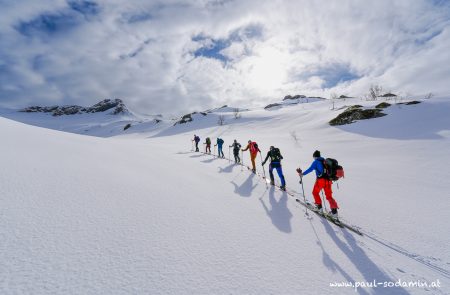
(141, 214)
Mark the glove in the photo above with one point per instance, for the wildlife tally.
(299, 171)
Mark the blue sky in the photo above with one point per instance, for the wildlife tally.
(178, 55)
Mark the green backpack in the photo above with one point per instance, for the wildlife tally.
(275, 155)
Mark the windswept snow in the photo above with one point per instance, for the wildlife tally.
(141, 214)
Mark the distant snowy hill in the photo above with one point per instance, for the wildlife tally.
(106, 118)
(139, 212)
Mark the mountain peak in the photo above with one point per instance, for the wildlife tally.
(116, 105)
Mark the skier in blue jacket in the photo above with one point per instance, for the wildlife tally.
(196, 140)
(322, 182)
(219, 147)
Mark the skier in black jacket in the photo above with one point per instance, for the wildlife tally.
(236, 147)
(275, 163)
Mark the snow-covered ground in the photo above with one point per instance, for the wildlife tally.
(140, 213)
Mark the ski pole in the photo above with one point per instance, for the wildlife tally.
(214, 151)
(192, 146)
(242, 160)
(304, 197)
(229, 157)
(264, 170)
(323, 203)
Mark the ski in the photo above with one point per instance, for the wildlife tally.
(337, 222)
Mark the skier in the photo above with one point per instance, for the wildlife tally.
(236, 147)
(196, 140)
(219, 147)
(208, 145)
(322, 182)
(275, 163)
(253, 146)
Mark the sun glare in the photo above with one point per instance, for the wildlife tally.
(268, 71)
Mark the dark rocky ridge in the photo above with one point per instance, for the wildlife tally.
(188, 118)
(116, 105)
(355, 113)
(290, 97)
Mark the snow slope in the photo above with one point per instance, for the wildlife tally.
(142, 214)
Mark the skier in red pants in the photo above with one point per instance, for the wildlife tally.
(322, 182)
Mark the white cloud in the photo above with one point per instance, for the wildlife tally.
(143, 52)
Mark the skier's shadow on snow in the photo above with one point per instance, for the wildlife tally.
(331, 264)
(197, 156)
(184, 153)
(227, 169)
(279, 213)
(246, 188)
(361, 261)
(209, 160)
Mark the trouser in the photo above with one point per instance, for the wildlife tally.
(196, 146)
(277, 166)
(237, 159)
(252, 158)
(324, 184)
(208, 148)
(220, 151)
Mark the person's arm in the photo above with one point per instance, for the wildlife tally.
(311, 168)
(267, 157)
(248, 146)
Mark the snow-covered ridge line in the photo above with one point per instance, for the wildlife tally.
(115, 105)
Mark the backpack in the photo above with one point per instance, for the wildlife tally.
(332, 170)
(208, 141)
(220, 141)
(253, 147)
(275, 155)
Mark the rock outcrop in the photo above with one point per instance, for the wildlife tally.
(355, 113)
(115, 105)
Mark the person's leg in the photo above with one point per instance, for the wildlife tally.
(329, 194)
(316, 192)
(253, 157)
(272, 180)
(280, 174)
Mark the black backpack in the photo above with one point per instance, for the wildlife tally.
(275, 155)
(332, 170)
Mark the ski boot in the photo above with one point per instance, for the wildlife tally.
(318, 208)
(333, 214)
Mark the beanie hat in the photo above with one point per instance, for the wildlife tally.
(316, 154)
